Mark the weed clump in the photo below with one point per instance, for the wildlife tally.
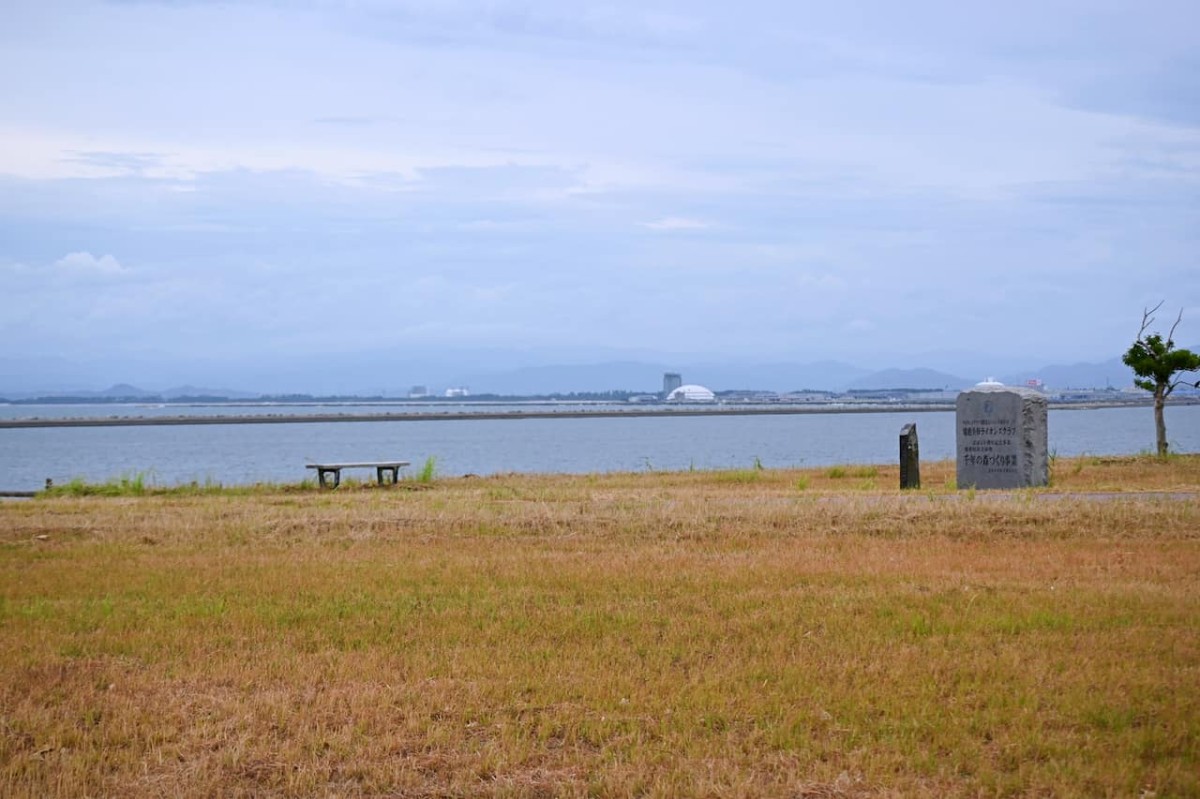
(428, 469)
(133, 484)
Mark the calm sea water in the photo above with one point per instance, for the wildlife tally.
(237, 454)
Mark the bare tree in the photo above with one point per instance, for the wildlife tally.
(1156, 364)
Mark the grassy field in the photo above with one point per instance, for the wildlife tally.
(807, 633)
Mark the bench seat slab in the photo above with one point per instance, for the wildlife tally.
(329, 475)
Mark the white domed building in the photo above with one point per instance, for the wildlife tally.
(691, 393)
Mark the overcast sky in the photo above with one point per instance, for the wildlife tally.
(757, 180)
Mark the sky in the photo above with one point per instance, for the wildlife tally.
(874, 182)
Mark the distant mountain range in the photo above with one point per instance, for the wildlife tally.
(1110, 373)
(124, 391)
(620, 375)
(910, 378)
(822, 376)
(648, 377)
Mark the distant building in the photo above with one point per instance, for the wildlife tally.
(418, 392)
(671, 381)
(458, 392)
(691, 393)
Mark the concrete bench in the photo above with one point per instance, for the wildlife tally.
(382, 469)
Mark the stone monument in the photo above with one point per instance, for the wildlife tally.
(1001, 435)
(910, 457)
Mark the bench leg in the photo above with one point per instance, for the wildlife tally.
(394, 471)
(325, 483)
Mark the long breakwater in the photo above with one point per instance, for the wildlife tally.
(426, 416)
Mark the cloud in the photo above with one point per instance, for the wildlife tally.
(84, 263)
(351, 121)
(669, 223)
(116, 163)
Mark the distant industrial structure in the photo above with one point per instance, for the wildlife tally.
(691, 393)
(675, 391)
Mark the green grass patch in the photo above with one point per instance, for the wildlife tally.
(738, 476)
(134, 484)
(139, 484)
(428, 471)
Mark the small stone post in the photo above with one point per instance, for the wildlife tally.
(910, 457)
(1002, 438)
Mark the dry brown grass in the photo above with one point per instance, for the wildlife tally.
(748, 633)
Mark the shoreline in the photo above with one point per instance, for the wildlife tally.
(425, 416)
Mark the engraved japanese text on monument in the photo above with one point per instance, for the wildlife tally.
(990, 442)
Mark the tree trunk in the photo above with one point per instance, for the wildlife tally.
(1160, 424)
